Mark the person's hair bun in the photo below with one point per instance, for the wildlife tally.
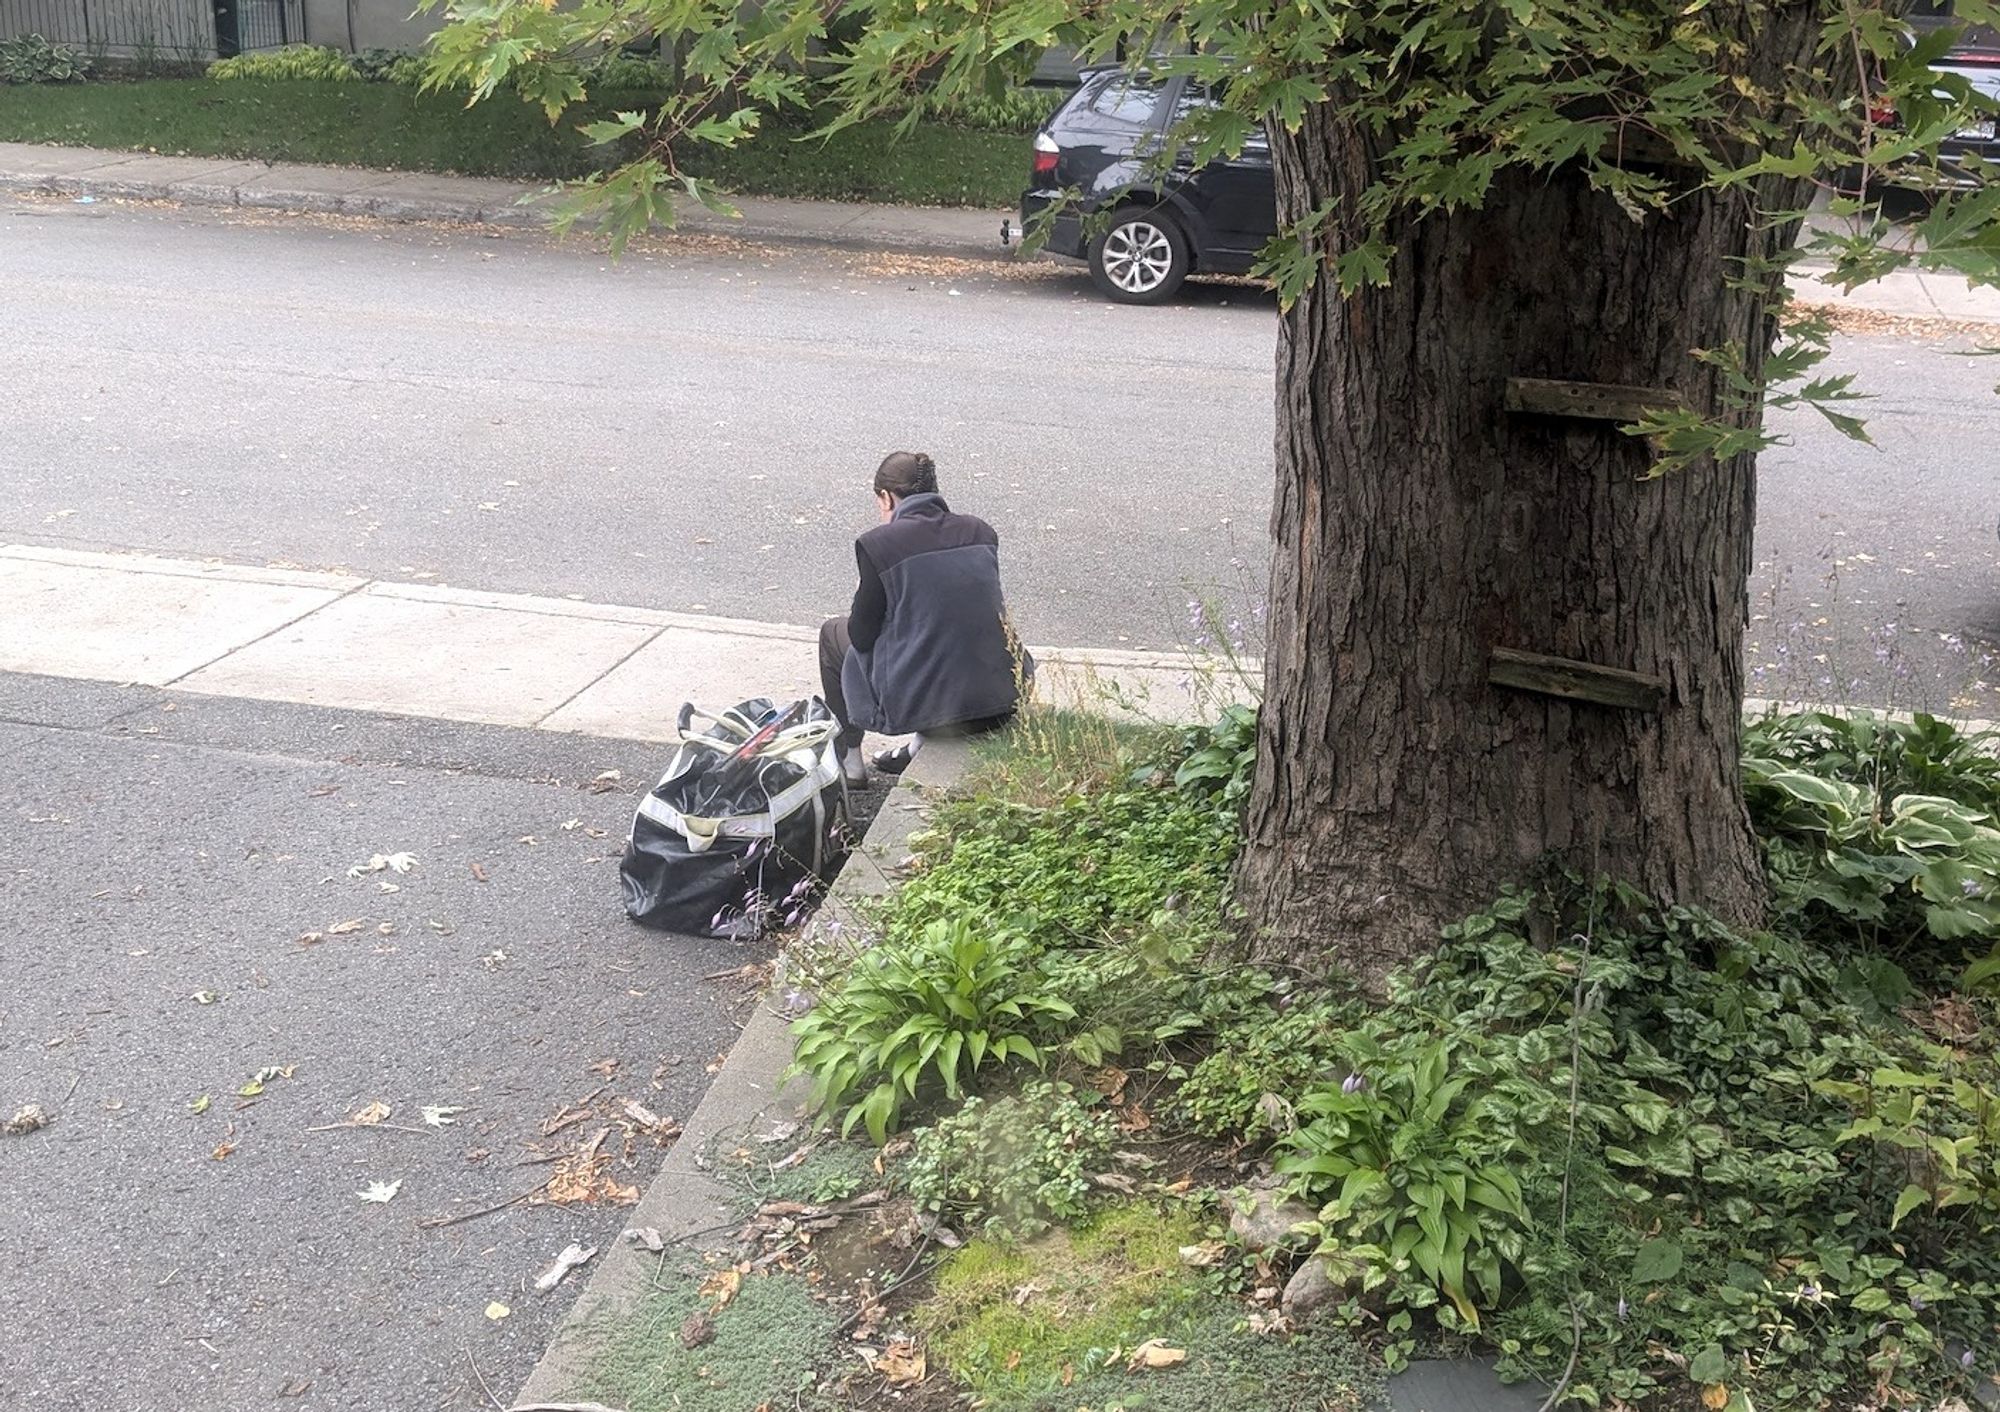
(907, 473)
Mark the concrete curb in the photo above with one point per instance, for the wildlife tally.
(686, 1202)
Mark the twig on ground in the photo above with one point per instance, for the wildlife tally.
(436, 1222)
(484, 1386)
(370, 1127)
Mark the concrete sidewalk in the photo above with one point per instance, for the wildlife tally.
(329, 639)
(93, 173)
(86, 173)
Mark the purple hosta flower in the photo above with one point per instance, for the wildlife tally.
(755, 850)
(715, 922)
(1918, 1303)
(1353, 1084)
(1624, 1309)
(797, 1001)
(1970, 887)
(1966, 1360)
(1257, 611)
(1810, 1292)
(1196, 614)
(795, 916)
(1953, 643)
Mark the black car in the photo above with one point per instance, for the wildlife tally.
(1104, 143)
(1974, 57)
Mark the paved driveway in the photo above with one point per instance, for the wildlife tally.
(157, 852)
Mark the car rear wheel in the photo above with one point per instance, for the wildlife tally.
(1141, 257)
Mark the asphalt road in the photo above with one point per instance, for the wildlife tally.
(158, 851)
(694, 428)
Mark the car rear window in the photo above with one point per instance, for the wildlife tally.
(1126, 98)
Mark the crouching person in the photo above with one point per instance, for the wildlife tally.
(926, 649)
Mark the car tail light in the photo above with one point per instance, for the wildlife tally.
(1047, 154)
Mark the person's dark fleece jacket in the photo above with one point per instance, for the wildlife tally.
(929, 626)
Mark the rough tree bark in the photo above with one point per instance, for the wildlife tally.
(1418, 525)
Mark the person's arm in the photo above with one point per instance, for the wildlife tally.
(871, 604)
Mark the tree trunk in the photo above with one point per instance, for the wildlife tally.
(1419, 525)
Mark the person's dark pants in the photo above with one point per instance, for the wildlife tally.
(834, 645)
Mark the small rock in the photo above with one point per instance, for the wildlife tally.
(696, 1330)
(1263, 1217)
(1311, 1287)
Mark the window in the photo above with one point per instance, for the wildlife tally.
(1127, 99)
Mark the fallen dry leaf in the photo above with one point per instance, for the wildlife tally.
(722, 1287)
(902, 1363)
(496, 1311)
(30, 1117)
(348, 927)
(478, 873)
(440, 1115)
(1715, 1397)
(571, 1257)
(1204, 1256)
(394, 862)
(222, 1150)
(380, 1193)
(696, 1330)
(372, 1114)
(1154, 1353)
(606, 782)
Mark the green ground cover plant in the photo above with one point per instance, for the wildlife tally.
(1624, 1148)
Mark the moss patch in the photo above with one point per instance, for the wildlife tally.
(1046, 1326)
(1062, 1302)
(767, 1343)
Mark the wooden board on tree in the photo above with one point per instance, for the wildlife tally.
(1591, 401)
(1576, 681)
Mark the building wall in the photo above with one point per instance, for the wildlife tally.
(368, 24)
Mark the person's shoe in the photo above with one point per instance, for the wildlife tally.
(894, 762)
(853, 769)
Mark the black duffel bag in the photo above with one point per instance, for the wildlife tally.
(749, 821)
